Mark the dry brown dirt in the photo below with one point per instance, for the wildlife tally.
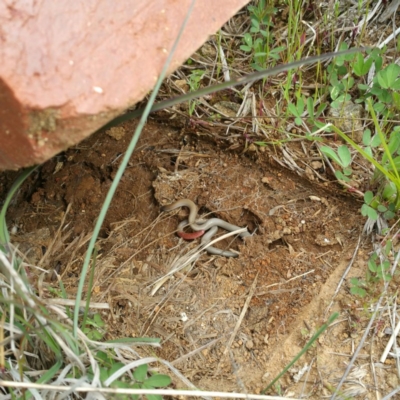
(276, 293)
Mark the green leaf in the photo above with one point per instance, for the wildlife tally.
(335, 92)
(366, 139)
(360, 66)
(347, 171)
(388, 76)
(298, 121)
(389, 214)
(255, 24)
(368, 151)
(153, 396)
(379, 107)
(97, 319)
(331, 154)
(248, 39)
(369, 212)
(388, 249)
(122, 385)
(349, 83)
(158, 380)
(378, 63)
(376, 141)
(338, 103)
(115, 367)
(278, 49)
(339, 61)
(103, 374)
(355, 281)
(102, 356)
(396, 100)
(372, 266)
(363, 87)
(394, 165)
(394, 143)
(358, 291)
(339, 175)
(387, 277)
(300, 105)
(345, 155)
(245, 48)
(321, 108)
(140, 373)
(396, 85)
(293, 110)
(49, 374)
(368, 197)
(385, 96)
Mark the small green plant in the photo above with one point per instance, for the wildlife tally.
(357, 287)
(260, 39)
(145, 380)
(340, 81)
(385, 91)
(194, 84)
(297, 110)
(142, 378)
(94, 327)
(343, 158)
(378, 271)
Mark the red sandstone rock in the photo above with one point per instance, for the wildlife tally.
(67, 68)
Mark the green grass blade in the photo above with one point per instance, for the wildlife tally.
(121, 170)
(4, 235)
(303, 350)
(90, 286)
(47, 376)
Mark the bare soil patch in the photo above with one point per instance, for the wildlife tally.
(304, 233)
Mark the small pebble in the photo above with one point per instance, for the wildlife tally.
(249, 344)
(265, 377)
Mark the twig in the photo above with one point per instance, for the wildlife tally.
(360, 346)
(167, 392)
(193, 352)
(72, 302)
(390, 343)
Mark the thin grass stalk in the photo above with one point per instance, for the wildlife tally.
(90, 285)
(303, 350)
(122, 168)
(4, 235)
